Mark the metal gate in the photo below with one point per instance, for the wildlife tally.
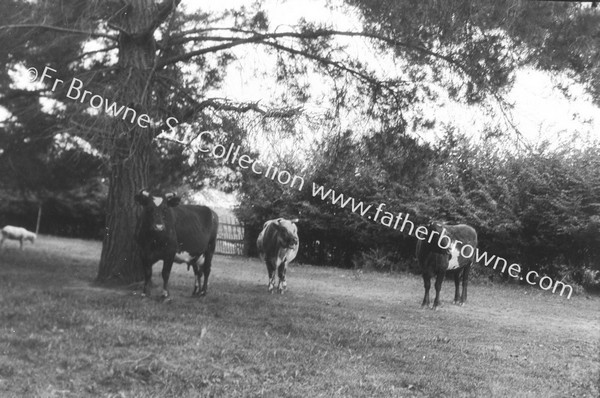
(230, 239)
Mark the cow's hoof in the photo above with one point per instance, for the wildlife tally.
(202, 293)
(282, 287)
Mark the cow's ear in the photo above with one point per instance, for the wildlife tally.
(172, 199)
(142, 197)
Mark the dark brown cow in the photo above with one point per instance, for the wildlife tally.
(173, 233)
(278, 245)
(444, 250)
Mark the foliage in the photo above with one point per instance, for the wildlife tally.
(538, 209)
(377, 259)
(71, 193)
(360, 168)
(491, 37)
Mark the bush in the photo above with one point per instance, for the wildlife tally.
(382, 260)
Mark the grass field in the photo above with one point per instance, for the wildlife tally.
(335, 333)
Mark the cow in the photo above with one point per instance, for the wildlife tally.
(442, 251)
(17, 233)
(278, 245)
(171, 232)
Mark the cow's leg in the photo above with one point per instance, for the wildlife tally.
(166, 272)
(271, 271)
(438, 286)
(197, 276)
(147, 277)
(2, 240)
(457, 275)
(282, 285)
(465, 282)
(206, 269)
(21, 241)
(427, 285)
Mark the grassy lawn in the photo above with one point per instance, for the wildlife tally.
(335, 333)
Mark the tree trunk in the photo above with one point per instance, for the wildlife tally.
(130, 146)
(120, 258)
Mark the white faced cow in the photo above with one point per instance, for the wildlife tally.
(277, 246)
(17, 233)
(173, 233)
(444, 250)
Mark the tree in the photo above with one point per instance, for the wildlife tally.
(140, 46)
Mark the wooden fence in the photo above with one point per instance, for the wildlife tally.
(230, 239)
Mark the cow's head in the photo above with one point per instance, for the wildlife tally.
(156, 214)
(287, 232)
(434, 226)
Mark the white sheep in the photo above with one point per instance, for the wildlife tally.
(17, 233)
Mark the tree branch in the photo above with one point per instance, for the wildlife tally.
(59, 29)
(206, 50)
(396, 43)
(204, 30)
(325, 61)
(164, 9)
(246, 107)
(225, 105)
(120, 12)
(198, 38)
(83, 55)
(258, 37)
(17, 93)
(375, 83)
(222, 104)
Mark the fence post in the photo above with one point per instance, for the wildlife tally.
(39, 218)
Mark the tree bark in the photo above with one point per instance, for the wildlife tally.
(120, 259)
(129, 145)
